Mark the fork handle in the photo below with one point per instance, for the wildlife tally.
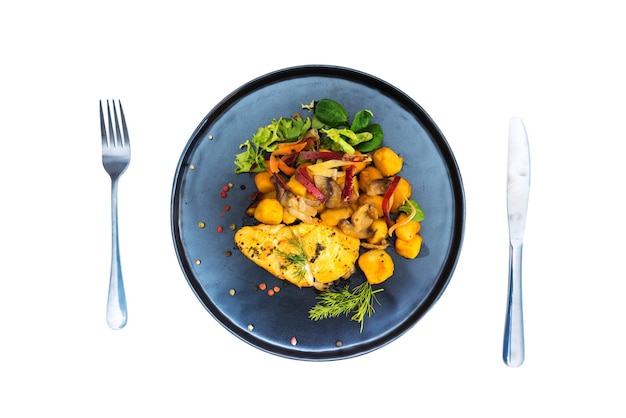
(513, 347)
(116, 304)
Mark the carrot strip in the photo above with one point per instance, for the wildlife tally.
(282, 165)
(289, 148)
(272, 164)
(276, 164)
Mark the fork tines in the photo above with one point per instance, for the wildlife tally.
(114, 138)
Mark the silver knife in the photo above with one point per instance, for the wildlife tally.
(518, 184)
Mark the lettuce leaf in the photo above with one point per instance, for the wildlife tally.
(338, 141)
(266, 140)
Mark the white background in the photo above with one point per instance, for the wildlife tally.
(559, 65)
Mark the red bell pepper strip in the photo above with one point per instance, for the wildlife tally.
(386, 200)
(290, 159)
(331, 155)
(321, 155)
(348, 186)
(355, 158)
(255, 197)
(281, 181)
(303, 176)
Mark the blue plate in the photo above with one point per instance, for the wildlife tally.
(226, 282)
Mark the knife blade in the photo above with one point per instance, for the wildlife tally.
(518, 187)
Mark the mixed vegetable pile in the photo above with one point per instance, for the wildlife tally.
(332, 170)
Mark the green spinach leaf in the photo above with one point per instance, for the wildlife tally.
(361, 120)
(407, 208)
(376, 141)
(331, 113)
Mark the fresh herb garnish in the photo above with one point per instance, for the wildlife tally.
(297, 260)
(411, 205)
(359, 302)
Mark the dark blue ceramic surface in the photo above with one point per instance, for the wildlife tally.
(269, 323)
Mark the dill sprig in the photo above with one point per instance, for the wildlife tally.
(359, 302)
(298, 259)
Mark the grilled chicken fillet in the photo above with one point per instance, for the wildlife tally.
(302, 254)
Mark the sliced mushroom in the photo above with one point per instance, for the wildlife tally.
(377, 187)
(303, 209)
(311, 136)
(383, 245)
(331, 189)
(359, 225)
(364, 216)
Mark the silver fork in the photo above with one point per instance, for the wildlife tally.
(115, 159)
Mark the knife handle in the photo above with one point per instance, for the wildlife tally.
(513, 347)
